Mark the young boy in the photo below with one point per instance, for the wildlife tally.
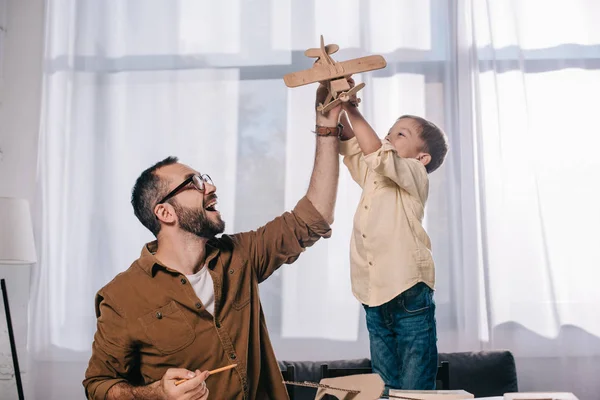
(390, 252)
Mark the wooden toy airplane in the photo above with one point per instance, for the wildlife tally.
(333, 74)
(354, 387)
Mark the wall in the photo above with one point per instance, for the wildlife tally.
(19, 119)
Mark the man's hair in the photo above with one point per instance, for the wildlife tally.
(147, 191)
(435, 142)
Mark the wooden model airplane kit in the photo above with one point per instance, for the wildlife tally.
(354, 387)
(333, 74)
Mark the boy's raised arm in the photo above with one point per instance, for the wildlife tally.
(367, 138)
(347, 132)
(353, 155)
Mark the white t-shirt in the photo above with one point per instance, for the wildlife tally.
(202, 283)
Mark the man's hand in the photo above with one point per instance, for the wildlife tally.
(192, 389)
(331, 118)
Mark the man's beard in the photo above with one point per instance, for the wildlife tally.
(197, 222)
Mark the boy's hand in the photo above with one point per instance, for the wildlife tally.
(331, 118)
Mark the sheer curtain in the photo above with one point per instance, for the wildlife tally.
(537, 81)
(510, 214)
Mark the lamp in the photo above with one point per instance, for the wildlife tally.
(16, 247)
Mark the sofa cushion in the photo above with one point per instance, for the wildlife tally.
(483, 373)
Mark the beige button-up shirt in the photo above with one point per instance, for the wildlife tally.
(389, 248)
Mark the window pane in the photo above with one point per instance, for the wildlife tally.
(536, 24)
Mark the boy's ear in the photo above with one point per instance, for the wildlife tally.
(425, 158)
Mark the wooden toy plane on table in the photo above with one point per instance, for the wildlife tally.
(354, 387)
(333, 74)
(370, 387)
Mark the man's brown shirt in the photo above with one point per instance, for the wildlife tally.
(150, 319)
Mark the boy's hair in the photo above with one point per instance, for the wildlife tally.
(147, 191)
(436, 143)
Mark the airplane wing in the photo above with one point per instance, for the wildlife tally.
(315, 74)
(362, 64)
(324, 73)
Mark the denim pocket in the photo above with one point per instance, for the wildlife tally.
(417, 299)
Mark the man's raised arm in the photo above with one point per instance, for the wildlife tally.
(322, 190)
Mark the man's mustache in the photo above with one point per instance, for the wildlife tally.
(210, 198)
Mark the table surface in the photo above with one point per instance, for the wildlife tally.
(480, 398)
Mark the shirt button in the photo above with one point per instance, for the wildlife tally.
(232, 356)
(375, 183)
(370, 263)
(198, 305)
(366, 207)
(363, 235)
(159, 315)
(183, 281)
(231, 271)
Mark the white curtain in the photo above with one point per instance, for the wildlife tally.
(2, 37)
(511, 214)
(536, 68)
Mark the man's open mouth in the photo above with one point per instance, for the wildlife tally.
(211, 206)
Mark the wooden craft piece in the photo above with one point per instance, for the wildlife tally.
(344, 96)
(333, 74)
(354, 387)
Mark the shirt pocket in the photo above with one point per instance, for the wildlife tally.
(240, 285)
(167, 328)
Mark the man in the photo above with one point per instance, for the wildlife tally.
(190, 302)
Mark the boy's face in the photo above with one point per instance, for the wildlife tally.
(404, 135)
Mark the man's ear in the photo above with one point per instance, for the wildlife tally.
(165, 213)
(424, 158)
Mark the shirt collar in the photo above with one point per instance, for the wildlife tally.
(149, 263)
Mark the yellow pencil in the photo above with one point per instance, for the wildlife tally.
(214, 371)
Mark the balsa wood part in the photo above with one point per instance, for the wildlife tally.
(343, 97)
(334, 74)
(320, 73)
(369, 387)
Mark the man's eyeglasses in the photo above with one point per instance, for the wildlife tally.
(196, 180)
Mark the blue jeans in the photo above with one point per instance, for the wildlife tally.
(403, 340)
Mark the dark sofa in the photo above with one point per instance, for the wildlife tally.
(485, 373)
